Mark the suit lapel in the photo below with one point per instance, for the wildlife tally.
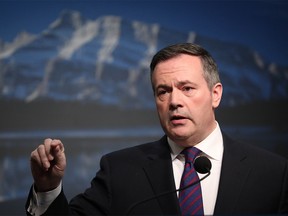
(160, 174)
(234, 173)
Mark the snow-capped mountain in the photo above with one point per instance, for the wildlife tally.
(107, 60)
(7, 49)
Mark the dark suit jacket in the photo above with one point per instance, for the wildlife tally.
(252, 181)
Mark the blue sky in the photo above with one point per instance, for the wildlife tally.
(261, 25)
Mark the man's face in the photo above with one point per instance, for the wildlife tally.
(184, 102)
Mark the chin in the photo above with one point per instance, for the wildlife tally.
(179, 136)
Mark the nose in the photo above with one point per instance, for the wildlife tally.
(175, 100)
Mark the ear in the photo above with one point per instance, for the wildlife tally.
(216, 95)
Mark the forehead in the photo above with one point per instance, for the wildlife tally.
(178, 68)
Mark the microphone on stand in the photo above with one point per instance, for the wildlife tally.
(201, 164)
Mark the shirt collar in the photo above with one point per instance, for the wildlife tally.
(211, 146)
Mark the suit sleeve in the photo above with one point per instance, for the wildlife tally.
(95, 200)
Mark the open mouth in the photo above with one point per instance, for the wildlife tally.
(173, 118)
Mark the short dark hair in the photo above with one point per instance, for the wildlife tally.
(210, 69)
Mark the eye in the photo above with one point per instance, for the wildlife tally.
(161, 92)
(187, 88)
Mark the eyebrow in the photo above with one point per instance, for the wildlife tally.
(164, 86)
(180, 83)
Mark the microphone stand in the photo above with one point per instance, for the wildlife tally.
(165, 193)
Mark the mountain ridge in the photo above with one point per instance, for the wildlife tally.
(107, 60)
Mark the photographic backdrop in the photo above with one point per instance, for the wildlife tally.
(79, 71)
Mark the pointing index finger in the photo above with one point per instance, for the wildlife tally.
(52, 147)
(57, 145)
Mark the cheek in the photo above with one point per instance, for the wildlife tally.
(162, 111)
(199, 106)
(160, 105)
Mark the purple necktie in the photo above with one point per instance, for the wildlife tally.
(190, 199)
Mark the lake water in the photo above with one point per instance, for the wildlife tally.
(84, 148)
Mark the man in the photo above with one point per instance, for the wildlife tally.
(187, 90)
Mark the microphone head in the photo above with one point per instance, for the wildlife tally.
(202, 164)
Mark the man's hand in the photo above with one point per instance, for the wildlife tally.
(48, 163)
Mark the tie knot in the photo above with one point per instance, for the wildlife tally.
(191, 153)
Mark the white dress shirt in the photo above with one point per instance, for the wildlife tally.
(212, 147)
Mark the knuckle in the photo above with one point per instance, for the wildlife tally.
(40, 148)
